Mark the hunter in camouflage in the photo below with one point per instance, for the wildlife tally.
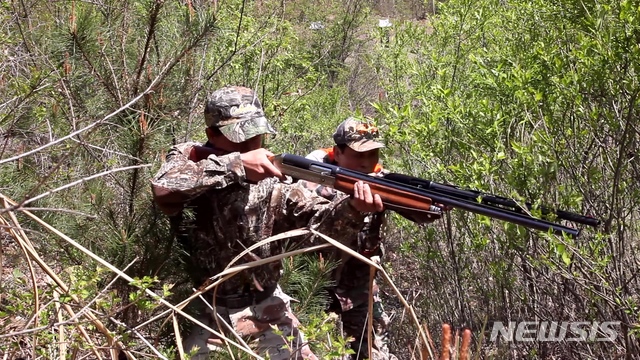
(357, 145)
(224, 196)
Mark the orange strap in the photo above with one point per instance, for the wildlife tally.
(330, 154)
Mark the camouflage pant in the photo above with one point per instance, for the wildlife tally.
(354, 324)
(254, 323)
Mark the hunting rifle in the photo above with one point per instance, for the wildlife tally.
(407, 194)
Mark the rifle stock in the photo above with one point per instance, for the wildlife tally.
(198, 153)
(413, 206)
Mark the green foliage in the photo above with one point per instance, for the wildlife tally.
(78, 65)
(326, 340)
(530, 100)
(306, 278)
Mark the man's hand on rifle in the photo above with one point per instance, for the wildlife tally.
(364, 200)
(257, 165)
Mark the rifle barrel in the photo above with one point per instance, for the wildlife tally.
(489, 199)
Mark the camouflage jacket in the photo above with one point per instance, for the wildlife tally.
(352, 275)
(216, 215)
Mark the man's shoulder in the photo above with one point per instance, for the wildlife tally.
(318, 155)
(383, 171)
(187, 144)
(184, 147)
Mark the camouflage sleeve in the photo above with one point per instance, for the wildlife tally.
(180, 179)
(371, 237)
(324, 191)
(342, 222)
(335, 218)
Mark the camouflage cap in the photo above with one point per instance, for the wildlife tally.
(359, 135)
(237, 112)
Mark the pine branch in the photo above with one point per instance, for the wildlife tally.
(153, 22)
(30, 200)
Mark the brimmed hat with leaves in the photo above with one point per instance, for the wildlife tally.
(359, 135)
(237, 112)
